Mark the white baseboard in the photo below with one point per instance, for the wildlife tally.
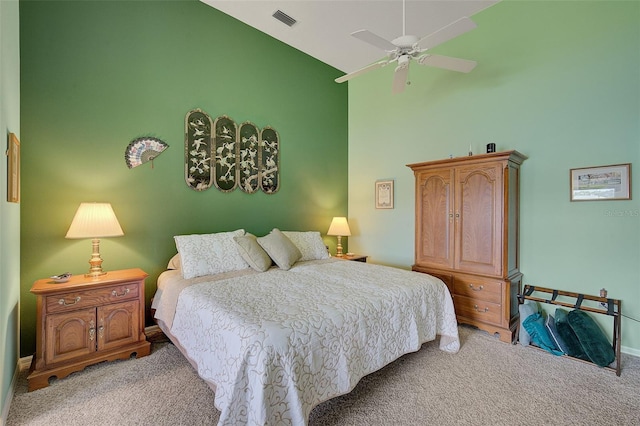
(630, 351)
(152, 329)
(25, 363)
(9, 398)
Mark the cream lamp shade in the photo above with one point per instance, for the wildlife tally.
(95, 220)
(339, 227)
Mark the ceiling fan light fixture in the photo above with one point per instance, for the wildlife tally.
(403, 61)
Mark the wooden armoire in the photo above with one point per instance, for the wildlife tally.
(467, 235)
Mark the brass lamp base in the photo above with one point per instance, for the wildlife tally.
(339, 247)
(96, 261)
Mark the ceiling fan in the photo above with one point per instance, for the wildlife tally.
(407, 47)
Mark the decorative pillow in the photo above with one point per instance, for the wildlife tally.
(572, 344)
(526, 309)
(174, 262)
(593, 341)
(539, 335)
(207, 254)
(280, 248)
(252, 253)
(309, 243)
(550, 324)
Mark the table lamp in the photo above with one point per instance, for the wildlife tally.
(340, 228)
(95, 220)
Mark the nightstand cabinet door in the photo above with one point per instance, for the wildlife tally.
(70, 335)
(117, 324)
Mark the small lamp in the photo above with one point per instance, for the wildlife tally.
(340, 228)
(95, 220)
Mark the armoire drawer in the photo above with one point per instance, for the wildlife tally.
(477, 310)
(479, 289)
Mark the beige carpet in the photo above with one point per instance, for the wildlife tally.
(486, 383)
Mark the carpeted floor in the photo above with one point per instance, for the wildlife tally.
(486, 383)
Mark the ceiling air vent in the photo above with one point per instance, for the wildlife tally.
(284, 18)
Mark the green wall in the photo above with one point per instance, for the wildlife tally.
(9, 212)
(557, 81)
(96, 75)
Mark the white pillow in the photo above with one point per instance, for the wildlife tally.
(207, 254)
(280, 248)
(174, 262)
(309, 243)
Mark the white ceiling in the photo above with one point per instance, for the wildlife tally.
(323, 29)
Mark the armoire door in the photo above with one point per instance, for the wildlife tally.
(478, 217)
(435, 217)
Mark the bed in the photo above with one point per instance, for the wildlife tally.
(275, 341)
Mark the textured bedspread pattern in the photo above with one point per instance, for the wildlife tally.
(278, 343)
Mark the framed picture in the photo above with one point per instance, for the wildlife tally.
(601, 183)
(384, 194)
(13, 169)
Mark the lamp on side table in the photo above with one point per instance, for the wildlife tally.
(339, 227)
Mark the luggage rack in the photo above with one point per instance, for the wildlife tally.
(603, 305)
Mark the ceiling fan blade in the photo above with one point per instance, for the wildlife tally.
(400, 78)
(361, 71)
(452, 30)
(374, 39)
(447, 62)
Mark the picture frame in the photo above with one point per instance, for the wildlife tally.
(384, 194)
(13, 169)
(601, 183)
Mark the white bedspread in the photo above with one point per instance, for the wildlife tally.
(276, 344)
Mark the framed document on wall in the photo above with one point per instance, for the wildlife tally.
(601, 183)
(384, 194)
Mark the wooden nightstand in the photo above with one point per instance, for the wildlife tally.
(355, 257)
(85, 321)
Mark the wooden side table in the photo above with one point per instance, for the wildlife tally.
(85, 321)
(355, 257)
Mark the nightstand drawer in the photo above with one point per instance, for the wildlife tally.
(479, 289)
(477, 310)
(88, 298)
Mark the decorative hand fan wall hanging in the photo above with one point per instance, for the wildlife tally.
(143, 150)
